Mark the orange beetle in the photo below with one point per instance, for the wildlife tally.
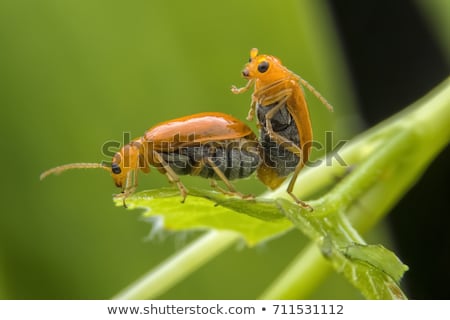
(211, 145)
(283, 119)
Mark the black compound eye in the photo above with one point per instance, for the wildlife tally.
(115, 168)
(263, 66)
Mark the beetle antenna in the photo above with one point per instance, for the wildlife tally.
(316, 94)
(59, 169)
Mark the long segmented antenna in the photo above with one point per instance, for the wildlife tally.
(59, 169)
(316, 93)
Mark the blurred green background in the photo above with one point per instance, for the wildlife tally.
(76, 74)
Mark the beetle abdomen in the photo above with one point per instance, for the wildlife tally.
(235, 159)
(275, 155)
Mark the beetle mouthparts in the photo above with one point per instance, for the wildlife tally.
(245, 73)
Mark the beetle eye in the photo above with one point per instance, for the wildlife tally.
(263, 66)
(115, 168)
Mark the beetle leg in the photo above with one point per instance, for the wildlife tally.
(219, 173)
(271, 113)
(237, 90)
(262, 97)
(273, 84)
(291, 187)
(232, 191)
(291, 146)
(214, 185)
(171, 175)
(279, 98)
(251, 112)
(129, 188)
(199, 165)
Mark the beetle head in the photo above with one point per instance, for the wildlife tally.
(124, 162)
(265, 69)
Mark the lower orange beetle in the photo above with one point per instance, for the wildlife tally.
(211, 145)
(283, 119)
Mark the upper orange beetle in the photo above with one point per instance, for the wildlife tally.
(283, 119)
(211, 145)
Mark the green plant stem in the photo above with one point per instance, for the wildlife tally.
(176, 268)
(300, 277)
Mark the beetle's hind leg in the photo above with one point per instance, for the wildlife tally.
(214, 185)
(231, 189)
(291, 187)
(230, 192)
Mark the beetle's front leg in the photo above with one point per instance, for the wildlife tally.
(237, 90)
(251, 112)
(129, 188)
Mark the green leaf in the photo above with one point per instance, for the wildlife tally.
(211, 210)
(373, 269)
(378, 257)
